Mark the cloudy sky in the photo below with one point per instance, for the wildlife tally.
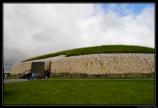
(36, 29)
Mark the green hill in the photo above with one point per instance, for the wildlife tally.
(97, 50)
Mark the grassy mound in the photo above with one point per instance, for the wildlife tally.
(98, 50)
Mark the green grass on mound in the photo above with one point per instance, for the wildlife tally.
(97, 50)
(51, 92)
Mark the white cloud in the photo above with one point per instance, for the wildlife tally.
(35, 29)
(34, 26)
(110, 28)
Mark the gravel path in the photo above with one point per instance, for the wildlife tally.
(22, 80)
(97, 79)
(14, 80)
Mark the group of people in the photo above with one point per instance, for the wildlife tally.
(31, 76)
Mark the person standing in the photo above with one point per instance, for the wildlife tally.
(33, 75)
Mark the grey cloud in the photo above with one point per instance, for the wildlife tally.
(12, 56)
(42, 37)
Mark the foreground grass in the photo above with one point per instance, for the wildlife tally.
(98, 50)
(80, 92)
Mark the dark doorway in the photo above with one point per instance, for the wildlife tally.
(37, 68)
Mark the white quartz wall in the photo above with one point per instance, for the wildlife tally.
(95, 64)
(105, 64)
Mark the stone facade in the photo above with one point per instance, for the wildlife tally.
(120, 63)
(21, 67)
(105, 64)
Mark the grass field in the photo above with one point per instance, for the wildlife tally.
(76, 91)
(98, 50)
